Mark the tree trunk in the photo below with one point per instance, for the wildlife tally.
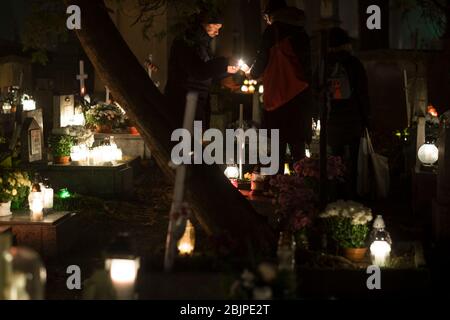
(219, 207)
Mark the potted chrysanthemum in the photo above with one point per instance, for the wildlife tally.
(13, 187)
(346, 223)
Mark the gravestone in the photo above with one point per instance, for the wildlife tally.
(441, 205)
(31, 141)
(65, 113)
(54, 235)
(36, 115)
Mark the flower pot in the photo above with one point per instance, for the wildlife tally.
(5, 209)
(103, 128)
(133, 131)
(62, 160)
(355, 254)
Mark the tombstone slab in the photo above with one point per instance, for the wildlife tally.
(132, 146)
(50, 237)
(107, 181)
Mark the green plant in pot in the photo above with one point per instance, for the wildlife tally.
(60, 146)
(346, 223)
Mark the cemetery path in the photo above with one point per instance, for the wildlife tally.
(144, 215)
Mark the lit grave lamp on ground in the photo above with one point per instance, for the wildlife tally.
(122, 266)
(36, 204)
(48, 194)
(380, 248)
(186, 244)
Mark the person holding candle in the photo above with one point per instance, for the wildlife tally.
(284, 60)
(192, 66)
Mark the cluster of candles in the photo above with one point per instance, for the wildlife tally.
(250, 87)
(96, 156)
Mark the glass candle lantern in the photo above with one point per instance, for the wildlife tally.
(381, 242)
(36, 204)
(123, 267)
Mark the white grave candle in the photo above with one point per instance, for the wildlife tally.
(48, 198)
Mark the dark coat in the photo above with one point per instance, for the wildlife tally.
(347, 118)
(192, 68)
(294, 118)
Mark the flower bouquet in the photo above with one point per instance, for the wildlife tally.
(346, 223)
(297, 195)
(105, 117)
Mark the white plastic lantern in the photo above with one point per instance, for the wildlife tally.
(79, 153)
(28, 103)
(261, 89)
(428, 154)
(48, 198)
(232, 172)
(123, 267)
(380, 251)
(36, 203)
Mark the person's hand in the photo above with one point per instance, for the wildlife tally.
(232, 69)
(151, 66)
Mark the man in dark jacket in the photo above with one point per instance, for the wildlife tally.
(294, 119)
(192, 67)
(349, 103)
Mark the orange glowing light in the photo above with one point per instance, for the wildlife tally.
(432, 110)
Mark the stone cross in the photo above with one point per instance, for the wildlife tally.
(81, 77)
